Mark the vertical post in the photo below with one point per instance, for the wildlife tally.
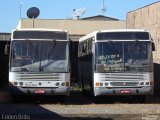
(33, 22)
(103, 9)
(20, 9)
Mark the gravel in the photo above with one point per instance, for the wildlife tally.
(80, 107)
(108, 111)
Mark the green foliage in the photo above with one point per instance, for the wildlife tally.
(76, 89)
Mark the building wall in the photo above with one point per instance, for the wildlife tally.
(74, 27)
(5, 36)
(4, 58)
(148, 17)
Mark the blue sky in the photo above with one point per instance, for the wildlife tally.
(61, 9)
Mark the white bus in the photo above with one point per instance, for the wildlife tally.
(39, 62)
(116, 62)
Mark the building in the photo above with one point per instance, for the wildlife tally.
(76, 29)
(4, 57)
(148, 17)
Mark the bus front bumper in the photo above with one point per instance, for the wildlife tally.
(147, 90)
(39, 91)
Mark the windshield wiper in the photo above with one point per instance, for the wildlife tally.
(51, 49)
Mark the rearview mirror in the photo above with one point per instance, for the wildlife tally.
(153, 46)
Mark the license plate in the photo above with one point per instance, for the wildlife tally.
(39, 91)
(125, 91)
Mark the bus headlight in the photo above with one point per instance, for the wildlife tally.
(15, 83)
(63, 83)
(57, 84)
(101, 84)
(106, 84)
(21, 83)
(141, 83)
(147, 83)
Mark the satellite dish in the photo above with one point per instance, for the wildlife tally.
(33, 12)
(77, 13)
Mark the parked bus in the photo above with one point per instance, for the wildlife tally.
(39, 62)
(116, 62)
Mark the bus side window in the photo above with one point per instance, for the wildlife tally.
(6, 49)
(84, 48)
(90, 46)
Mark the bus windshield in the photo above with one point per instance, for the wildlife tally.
(39, 56)
(129, 56)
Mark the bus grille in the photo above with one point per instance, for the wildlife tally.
(122, 77)
(129, 84)
(40, 76)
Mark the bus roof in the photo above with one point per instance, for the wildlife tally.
(91, 35)
(38, 29)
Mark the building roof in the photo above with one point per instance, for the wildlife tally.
(100, 17)
(145, 6)
(5, 36)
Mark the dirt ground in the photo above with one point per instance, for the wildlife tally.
(79, 106)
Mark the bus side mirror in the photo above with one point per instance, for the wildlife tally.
(153, 46)
(6, 49)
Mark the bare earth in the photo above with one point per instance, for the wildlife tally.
(78, 107)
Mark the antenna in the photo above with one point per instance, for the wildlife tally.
(20, 8)
(77, 13)
(103, 8)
